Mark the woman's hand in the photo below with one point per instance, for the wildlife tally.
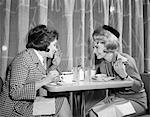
(53, 76)
(57, 58)
(109, 99)
(120, 69)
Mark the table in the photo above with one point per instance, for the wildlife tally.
(84, 85)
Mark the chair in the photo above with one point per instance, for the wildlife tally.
(146, 79)
(1, 84)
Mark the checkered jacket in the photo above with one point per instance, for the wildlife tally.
(17, 97)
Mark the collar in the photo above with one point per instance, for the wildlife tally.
(39, 56)
(36, 60)
(117, 56)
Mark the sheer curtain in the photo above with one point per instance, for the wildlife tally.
(75, 21)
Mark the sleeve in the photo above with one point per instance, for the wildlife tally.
(19, 90)
(98, 63)
(51, 66)
(132, 71)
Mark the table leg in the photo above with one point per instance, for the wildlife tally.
(71, 101)
(79, 104)
(107, 93)
(83, 113)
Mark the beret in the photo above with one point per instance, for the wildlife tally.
(112, 30)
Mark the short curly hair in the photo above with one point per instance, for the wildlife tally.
(40, 37)
(111, 40)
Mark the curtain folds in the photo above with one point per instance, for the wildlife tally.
(75, 21)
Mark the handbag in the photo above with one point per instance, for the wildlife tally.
(44, 106)
(118, 107)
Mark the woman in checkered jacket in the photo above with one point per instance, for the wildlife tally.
(28, 73)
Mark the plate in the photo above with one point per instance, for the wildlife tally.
(67, 73)
(65, 83)
(52, 84)
(102, 77)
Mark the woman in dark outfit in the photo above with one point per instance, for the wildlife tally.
(121, 66)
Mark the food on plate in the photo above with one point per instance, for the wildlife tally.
(102, 77)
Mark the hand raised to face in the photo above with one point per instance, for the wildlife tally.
(120, 68)
(57, 57)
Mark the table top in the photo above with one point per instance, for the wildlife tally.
(84, 85)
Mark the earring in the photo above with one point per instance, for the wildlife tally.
(47, 50)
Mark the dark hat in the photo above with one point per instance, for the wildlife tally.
(112, 30)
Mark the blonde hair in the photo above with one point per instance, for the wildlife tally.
(111, 41)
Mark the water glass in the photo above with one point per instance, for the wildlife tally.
(89, 73)
(76, 74)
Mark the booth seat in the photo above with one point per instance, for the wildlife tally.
(146, 79)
